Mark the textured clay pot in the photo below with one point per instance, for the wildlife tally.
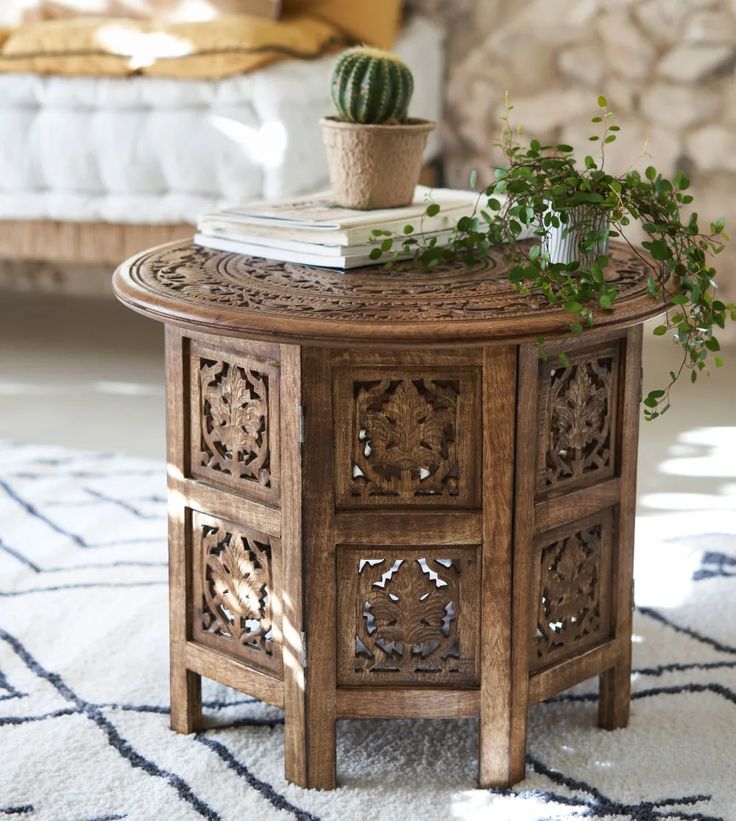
(374, 166)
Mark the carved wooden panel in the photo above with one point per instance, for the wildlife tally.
(200, 277)
(408, 615)
(236, 590)
(572, 589)
(234, 421)
(407, 436)
(578, 420)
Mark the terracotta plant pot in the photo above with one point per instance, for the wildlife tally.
(374, 166)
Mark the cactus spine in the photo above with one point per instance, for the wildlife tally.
(371, 86)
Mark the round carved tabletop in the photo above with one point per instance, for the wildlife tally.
(236, 295)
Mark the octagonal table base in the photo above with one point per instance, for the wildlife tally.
(411, 533)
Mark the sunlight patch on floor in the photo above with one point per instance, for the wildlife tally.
(672, 522)
(475, 805)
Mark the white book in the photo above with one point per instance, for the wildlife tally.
(301, 257)
(318, 218)
(278, 243)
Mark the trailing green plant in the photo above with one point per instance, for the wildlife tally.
(545, 187)
(371, 86)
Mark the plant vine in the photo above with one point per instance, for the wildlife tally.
(545, 188)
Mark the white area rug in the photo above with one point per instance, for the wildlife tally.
(84, 682)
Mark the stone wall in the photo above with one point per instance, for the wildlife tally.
(666, 67)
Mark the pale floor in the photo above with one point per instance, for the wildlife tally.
(88, 373)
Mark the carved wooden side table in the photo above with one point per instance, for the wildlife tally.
(384, 503)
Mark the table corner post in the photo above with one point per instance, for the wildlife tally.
(186, 685)
(320, 605)
(615, 683)
(290, 420)
(504, 678)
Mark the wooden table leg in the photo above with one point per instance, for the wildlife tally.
(502, 693)
(186, 689)
(320, 596)
(186, 699)
(615, 684)
(614, 696)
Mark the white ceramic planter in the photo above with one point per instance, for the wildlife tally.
(564, 244)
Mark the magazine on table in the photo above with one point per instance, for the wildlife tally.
(318, 220)
(325, 256)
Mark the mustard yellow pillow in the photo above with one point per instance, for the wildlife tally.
(118, 46)
(172, 11)
(375, 22)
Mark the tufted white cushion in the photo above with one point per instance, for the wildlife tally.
(152, 150)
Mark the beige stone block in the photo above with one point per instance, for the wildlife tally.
(729, 104)
(626, 51)
(694, 63)
(459, 168)
(713, 148)
(714, 199)
(543, 113)
(488, 13)
(475, 91)
(711, 27)
(679, 107)
(556, 21)
(529, 66)
(583, 64)
(662, 20)
(637, 145)
(662, 149)
(622, 95)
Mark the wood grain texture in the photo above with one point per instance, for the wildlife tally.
(576, 505)
(319, 589)
(83, 243)
(234, 673)
(578, 429)
(453, 538)
(571, 582)
(186, 694)
(615, 682)
(225, 504)
(239, 296)
(526, 418)
(401, 527)
(437, 464)
(234, 421)
(235, 604)
(501, 760)
(408, 615)
(405, 702)
(295, 754)
(546, 683)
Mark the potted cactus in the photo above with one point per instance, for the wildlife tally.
(374, 150)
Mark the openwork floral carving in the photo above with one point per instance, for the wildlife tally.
(572, 604)
(236, 586)
(409, 619)
(404, 438)
(580, 403)
(233, 408)
(408, 616)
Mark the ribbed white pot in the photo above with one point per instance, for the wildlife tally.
(564, 244)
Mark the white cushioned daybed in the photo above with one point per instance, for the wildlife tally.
(154, 152)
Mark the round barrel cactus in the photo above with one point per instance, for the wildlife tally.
(371, 86)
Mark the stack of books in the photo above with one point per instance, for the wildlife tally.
(315, 230)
